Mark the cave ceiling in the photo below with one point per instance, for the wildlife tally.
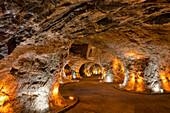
(112, 25)
(69, 26)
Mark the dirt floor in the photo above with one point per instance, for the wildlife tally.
(96, 97)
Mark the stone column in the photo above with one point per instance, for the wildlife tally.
(36, 75)
(134, 65)
(74, 75)
(63, 77)
(152, 78)
(109, 76)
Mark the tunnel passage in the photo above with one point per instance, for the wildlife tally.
(128, 73)
(81, 70)
(96, 70)
(37, 38)
(90, 69)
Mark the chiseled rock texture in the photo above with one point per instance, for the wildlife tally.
(117, 26)
(36, 75)
(135, 65)
(35, 37)
(36, 70)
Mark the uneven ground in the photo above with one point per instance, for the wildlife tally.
(96, 97)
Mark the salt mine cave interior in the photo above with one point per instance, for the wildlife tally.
(84, 56)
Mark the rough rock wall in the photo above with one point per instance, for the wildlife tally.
(141, 27)
(105, 60)
(19, 20)
(36, 70)
(134, 72)
(113, 25)
(36, 76)
(8, 98)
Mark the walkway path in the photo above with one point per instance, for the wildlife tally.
(96, 97)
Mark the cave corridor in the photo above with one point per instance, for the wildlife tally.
(84, 56)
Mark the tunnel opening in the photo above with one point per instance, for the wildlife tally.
(92, 69)
(81, 70)
(128, 73)
(68, 72)
(96, 70)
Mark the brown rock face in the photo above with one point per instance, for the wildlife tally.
(35, 38)
(36, 69)
(139, 25)
(135, 65)
(35, 80)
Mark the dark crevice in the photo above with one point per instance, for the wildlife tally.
(104, 21)
(64, 15)
(80, 49)
(161, 19)
(152, 10)
(66, 4)
(11, 45)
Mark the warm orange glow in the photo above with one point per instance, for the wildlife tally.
(55, 91)
(99, 71)
(78, 74)
(133, 77)
(69, 76)
(6, 109)
(116, 64)
(4, 90)
(140, 83)
(134, 54)
(136, 82)
(3, 99)
(131, 53)
(104, 73)
(139, 80)
(93, 71)
(55, 95)
(86, 73)
(5, 106)
(118, 70)
(131, 83)
(168, 76)
(165, 80)
(123, 69)
(71, 98)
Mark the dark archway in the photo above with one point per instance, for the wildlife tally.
(81, 70)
